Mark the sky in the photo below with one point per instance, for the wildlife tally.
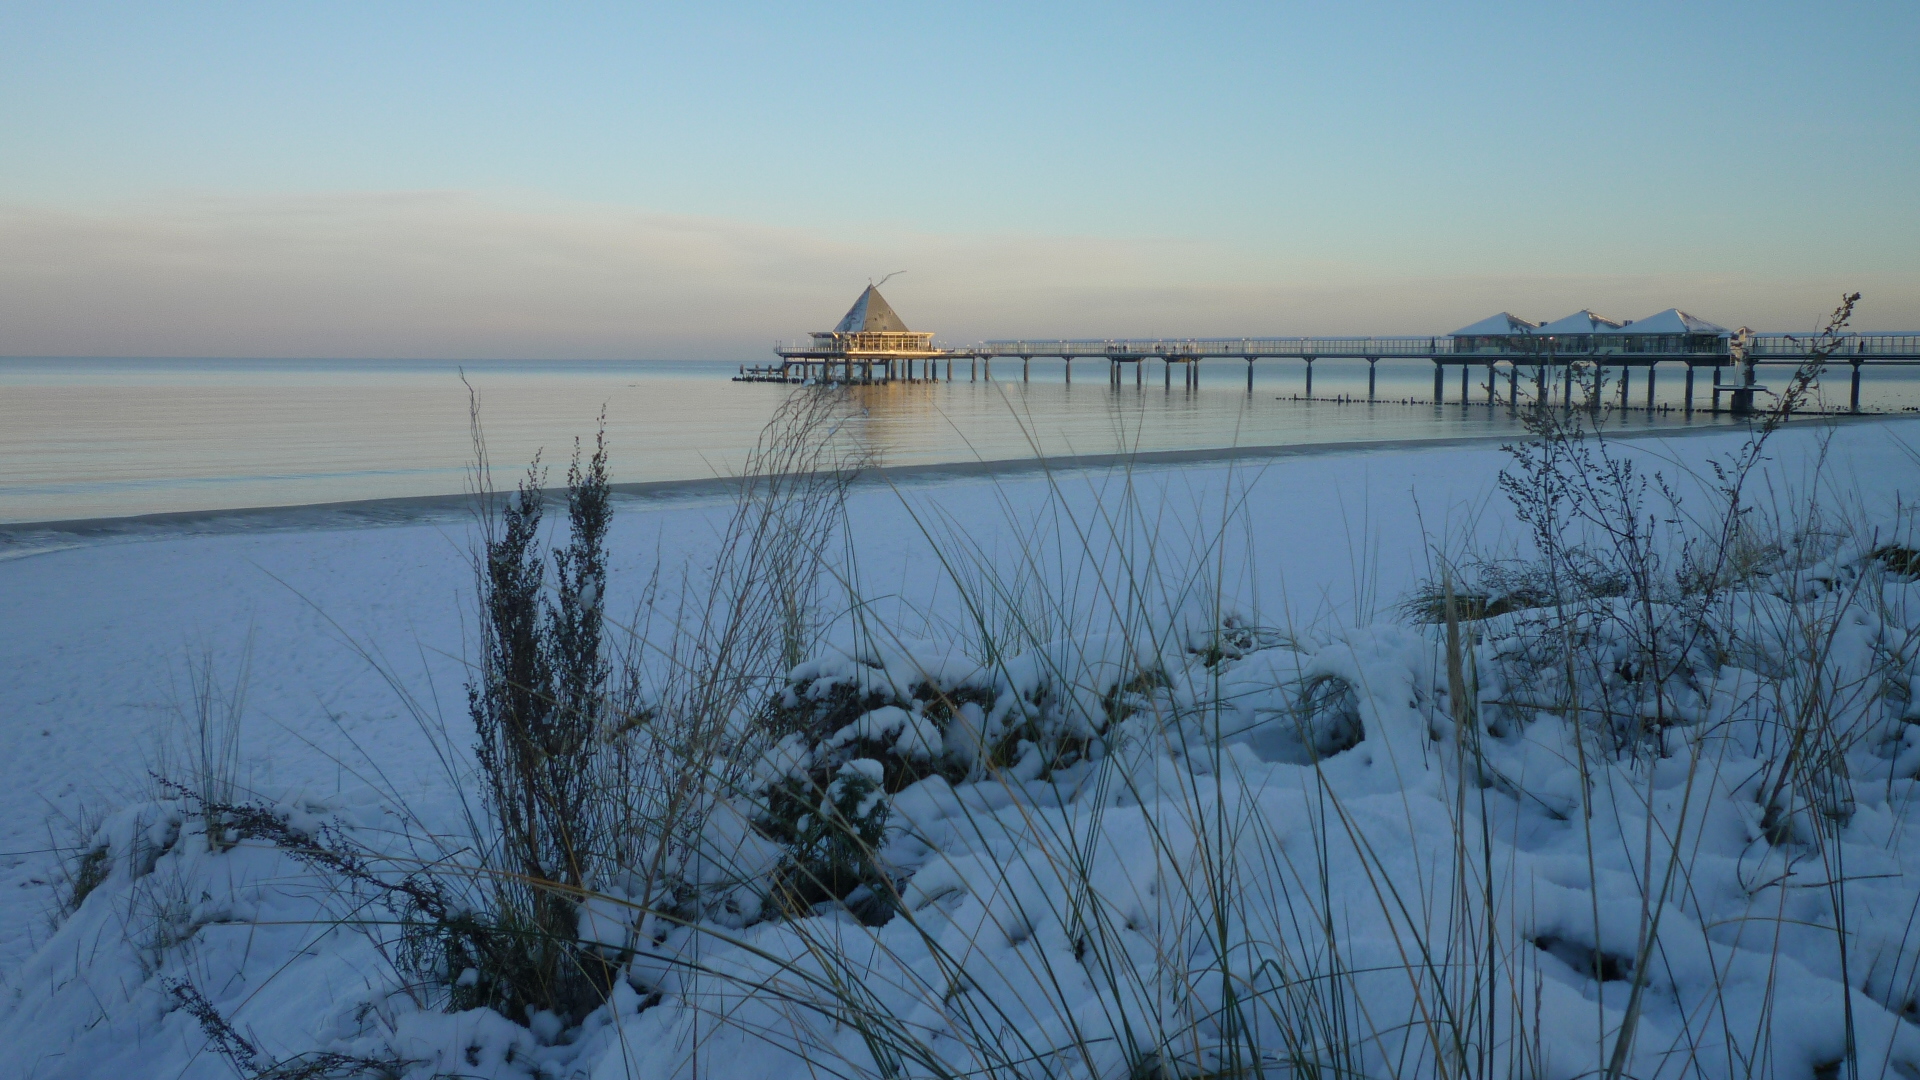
(695, 181)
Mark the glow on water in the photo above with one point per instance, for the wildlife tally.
(110, 438)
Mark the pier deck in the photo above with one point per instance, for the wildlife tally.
(1537, 360)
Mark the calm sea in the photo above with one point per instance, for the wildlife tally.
(87, 438)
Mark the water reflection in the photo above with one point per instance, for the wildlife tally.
(99, 438)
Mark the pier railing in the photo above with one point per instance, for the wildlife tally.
(1866, 347)
(1901, 347)
(1134, 348)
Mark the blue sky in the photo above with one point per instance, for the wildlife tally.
(637, 180)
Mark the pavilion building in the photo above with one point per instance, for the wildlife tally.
(871, 329)
(1573, 334)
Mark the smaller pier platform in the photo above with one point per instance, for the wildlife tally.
(870, 345)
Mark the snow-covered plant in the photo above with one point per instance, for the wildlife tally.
(536, 703)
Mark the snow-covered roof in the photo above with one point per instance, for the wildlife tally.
(1580, 322)
(1670, 321)
(870, 313)
(1502, 323)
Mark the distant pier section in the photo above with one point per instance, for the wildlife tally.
(872, 345)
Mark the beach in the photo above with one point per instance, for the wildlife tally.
(352, 643)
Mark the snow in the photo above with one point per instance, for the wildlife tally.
(1580, 322)
(1495, 325)
(354, 719)
(1670, 321)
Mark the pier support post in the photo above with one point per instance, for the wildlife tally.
(1466, 391)
(973, 370)
(1026, 362)
(1567, 402)
(1854, 405)
(1309, 379)
(1626, 383)
(1249, 375)
(1372, 370)
(1649, 387)
(986, 367)
(1069, 361)
(1166, 373)
(1513, 386)
(1139, 373)
(1439, 383)
(1493, 394)
(1688, 396)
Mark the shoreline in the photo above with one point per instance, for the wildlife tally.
(413, 509)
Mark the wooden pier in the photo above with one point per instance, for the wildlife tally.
(871, 345)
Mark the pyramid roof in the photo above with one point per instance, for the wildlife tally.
(870, 313)
(1580, 322)
(1670, 321)
(1492, 325)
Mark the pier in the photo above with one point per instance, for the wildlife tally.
(872, 345)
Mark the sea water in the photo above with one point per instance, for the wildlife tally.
(103, 438)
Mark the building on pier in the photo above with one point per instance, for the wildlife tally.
(1572, 335)
(1500, 335)
(870, 326)
(871, 343)
(1670, 333)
